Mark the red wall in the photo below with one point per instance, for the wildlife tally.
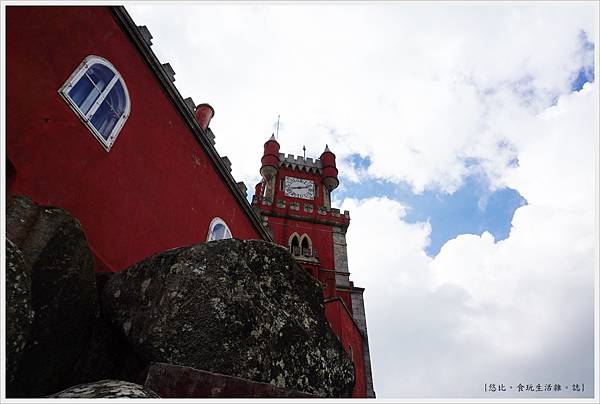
(344, 327)
(155, 189)
(321, 236)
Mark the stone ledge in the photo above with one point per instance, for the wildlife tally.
(172, 381)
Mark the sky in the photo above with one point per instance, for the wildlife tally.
(466, 136)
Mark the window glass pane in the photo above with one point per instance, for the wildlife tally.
(116, 98)
(84, 94)
(112, 108)
(105, 119)
(218, 232)
(100, 75)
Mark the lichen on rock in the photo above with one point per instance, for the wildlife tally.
(106, 389)
(240, 308)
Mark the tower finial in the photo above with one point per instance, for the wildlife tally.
(278, 125)
(272, 136)
(327, 148)
(304, 151)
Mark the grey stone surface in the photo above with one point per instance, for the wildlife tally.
(210, 135)
(340, 257)
(342, 279)
(227, 162)
(242, 187)
(106, 389)
(169, 70)
(145, 34)
(240, 308)
(19, 312)
(63, 294)
(358, 313)
(189, 102)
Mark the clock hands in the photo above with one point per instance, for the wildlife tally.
(299, 188)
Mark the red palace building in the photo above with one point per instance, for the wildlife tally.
(96, 126)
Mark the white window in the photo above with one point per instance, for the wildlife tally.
(218, 230)
(99, 96)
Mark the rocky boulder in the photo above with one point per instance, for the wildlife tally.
(106, 389)
(19, 314)
(63, 295)
(239, 308)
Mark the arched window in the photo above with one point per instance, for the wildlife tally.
(99, 96)
(218, 230)
(306, 246)
(294, 243)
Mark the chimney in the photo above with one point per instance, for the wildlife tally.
(204, 114)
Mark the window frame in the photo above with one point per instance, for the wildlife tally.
(211, 226)
(74, 79)
(294, 237)
(309, 242)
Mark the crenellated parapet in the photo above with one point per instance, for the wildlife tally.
(301, 210)
(300, 163)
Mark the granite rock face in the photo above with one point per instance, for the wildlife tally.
(106, 389)
(19, 314)
(239, 308)
(63, 295)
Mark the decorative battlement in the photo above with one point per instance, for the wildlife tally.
(304, 211)
(299, 162)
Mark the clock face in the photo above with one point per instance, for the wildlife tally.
(299, 188)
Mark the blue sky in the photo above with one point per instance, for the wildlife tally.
(472, 209)
(586, 73)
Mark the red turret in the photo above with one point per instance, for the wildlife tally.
(330, 172)
(204, 113)
(270, 159)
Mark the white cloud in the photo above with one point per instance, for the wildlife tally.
(419, 88)
(405, 84)
(518, 310)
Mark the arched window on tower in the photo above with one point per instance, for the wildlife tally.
(306, 246)
(97, 93)
(294, 243)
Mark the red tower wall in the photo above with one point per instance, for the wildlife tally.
(156, 189)
(321, 236)
(345, 328)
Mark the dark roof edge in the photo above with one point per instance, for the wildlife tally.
(130, 28)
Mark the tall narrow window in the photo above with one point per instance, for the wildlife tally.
(218, 230)
(294, 243)
(306, 249)
(99, 96)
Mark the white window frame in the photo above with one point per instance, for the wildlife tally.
(83, 67)
(213, 223)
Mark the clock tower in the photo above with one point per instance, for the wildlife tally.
(294, 201)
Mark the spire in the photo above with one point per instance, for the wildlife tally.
(327, 149)
(272, 136)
